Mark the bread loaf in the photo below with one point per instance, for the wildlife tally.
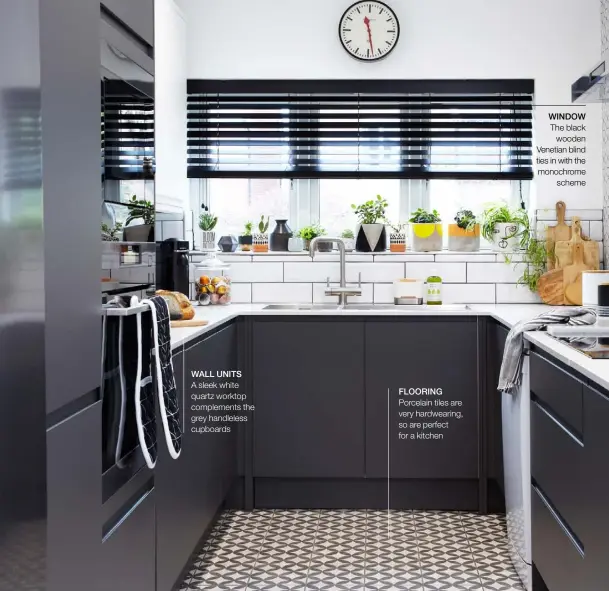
(179, 305)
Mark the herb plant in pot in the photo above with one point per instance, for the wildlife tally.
(507, 229)
(207, 223)
(426, 230)
(371, 235)
(397, 237)
(245, 240)
(139, 209)
(261, 239)
(349, 239)
(464, 235)
(309, 232)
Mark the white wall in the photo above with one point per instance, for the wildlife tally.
(551, 41)
(172, 190)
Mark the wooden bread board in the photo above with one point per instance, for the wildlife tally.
(188, 323)
(559, 232)
(572, 276)
(563, 250)
(551, 289)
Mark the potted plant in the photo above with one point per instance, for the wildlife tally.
(371, 234)
(397, 237)
(464, 234)
(245, 240)
(139, 209)
(426, 230)
(309, 232)
(349, 239)
(506, 229)
(207, 223)
(534, 263)
(261, 240)
(110, 234)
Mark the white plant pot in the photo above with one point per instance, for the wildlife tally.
(208, 241)
(349, 244)
(506, 238)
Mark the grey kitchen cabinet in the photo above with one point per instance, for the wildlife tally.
(138, 15)
(74, 501)
(128, 548)
(419, 355)
(191, 489)
(308, 389)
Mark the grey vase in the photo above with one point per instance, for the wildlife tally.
(228, 243)
(278, 240)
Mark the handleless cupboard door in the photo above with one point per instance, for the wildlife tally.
(74, 499)
(497, 335)
(309, 398)
(422, 398)
(138, 15)
(191, 489)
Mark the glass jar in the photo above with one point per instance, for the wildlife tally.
(212, 282)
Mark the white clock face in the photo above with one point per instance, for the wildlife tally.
(369, 30)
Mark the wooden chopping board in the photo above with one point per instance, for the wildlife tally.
(572, 276)
(563, 250)
(558, 233)
(551, 289)
(188, 323)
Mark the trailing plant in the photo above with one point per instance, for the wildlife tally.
(110, 234)
(371, 212)
(207, 222)
(422, 216)
(140, 209)
(310, 232)
(502, 214)
(348, 234)
(248, 229)
(263, 226)
(535, 259)
(466, 220)
(398, 227)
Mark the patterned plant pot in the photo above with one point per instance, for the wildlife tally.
(371, 238)
(506, 238)
(208, 241)
(426, 237)
(245, 243)
(261, 243)
(461, 240)
(397, 242)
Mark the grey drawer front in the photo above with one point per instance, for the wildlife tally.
(559, 390)
(555, 554)
(557, 466)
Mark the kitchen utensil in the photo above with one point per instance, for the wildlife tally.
(563, 250)
(550, 288)
(560, 232)
(572, 276)
(188, 323)
(590, 282)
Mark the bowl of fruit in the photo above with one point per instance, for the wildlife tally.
(213, 285)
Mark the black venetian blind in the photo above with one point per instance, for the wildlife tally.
(357, 129)
(127, 131)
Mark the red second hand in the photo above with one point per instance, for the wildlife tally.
(367, 23)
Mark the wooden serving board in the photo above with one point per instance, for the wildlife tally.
(572, 276)
(188, 323)
(560, 232)
(551, 289)
(563, 250)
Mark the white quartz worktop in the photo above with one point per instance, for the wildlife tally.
(508, 314)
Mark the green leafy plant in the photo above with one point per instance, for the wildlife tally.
(502, 214)
(398, 227)
(310, 232)
(140, 209)
(371, 212)
(466, 220)
(422, 216)
(207, 222)
(535, 258)
(348, 234)
(263, 226)
(110, 234)
(248, 229)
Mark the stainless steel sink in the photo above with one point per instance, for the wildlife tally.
(301, 307)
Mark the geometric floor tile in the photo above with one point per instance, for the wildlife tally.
(355, 550)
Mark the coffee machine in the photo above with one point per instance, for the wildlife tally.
(173, 265)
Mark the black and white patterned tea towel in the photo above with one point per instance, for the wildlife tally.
(165, 379)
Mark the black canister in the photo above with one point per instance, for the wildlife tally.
(278, 240)
(603, 310)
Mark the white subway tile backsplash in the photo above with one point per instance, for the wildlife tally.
(282, 293)
(241, 293)
(449, 272)
(319, 296)
(468, 293)
(549, 215)
(509, 293)
(311, 272)
(259, 273)
(283, 257)
(173, 229)
(383, 293)
(389, 257)
(596, 231)
(493, 272)
(465, 257)
(375, 272)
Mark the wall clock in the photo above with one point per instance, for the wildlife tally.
(369, 31)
